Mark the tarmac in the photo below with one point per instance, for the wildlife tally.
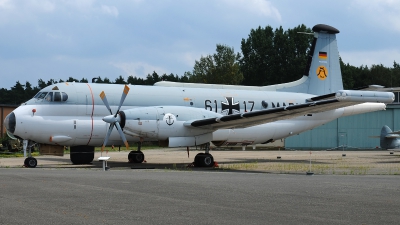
(379, 162)
(247, 187)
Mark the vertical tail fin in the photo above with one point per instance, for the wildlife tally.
(385, 142)
(322, 74)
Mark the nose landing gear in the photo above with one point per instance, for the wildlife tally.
(30, 162)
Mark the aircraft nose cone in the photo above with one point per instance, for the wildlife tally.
(10, 122)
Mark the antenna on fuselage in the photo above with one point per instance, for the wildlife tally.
(94, 79)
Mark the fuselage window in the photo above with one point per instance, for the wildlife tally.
(57, 97)
(41, 95)
(64, 96)
(49, 97)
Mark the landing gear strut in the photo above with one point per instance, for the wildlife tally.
(30, 162)
(136, 156)
(204, 159)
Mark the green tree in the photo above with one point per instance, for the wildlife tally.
(348, 74)
(153, 78)
(120, 80)
(395, 76)
(271, 57)
(220, 68)
(41, 84)
(18, 94)
(135, 80)
(83, 80)
(71, 79)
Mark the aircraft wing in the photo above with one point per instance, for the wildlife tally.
(314, 105)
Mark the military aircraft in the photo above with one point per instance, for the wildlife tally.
(389, 140)
(83, 115)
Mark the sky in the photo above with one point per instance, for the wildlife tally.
(58, 39)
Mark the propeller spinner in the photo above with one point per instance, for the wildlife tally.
(114, 120)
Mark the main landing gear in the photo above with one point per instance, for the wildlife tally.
(204, 159)
(30, 162)
(136, 156)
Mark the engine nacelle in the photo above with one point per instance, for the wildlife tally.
(166, 123)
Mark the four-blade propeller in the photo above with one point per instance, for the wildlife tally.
(114, 120)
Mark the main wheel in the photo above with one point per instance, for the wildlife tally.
(136, 157)
(204, 160)
(82, 154)
(30, 162)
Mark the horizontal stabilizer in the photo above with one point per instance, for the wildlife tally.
(392, 136)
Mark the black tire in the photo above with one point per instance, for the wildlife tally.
(26, 162)
(204, 160)
(31, 162)
(136, 157)
(208, 160)
(81, 154)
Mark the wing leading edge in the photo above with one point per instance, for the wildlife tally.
(317, 104)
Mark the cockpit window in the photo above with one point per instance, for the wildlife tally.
(49, 97)
(53, 96)
(64, 96)
(57, 97)
(40, 95)
(37, 94)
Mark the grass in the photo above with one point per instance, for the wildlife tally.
(123, 148)
(15, 154)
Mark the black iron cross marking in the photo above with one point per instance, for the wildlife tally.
(229, 106)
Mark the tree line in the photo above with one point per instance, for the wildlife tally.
(268, 56)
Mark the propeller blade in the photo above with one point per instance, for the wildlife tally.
(124, 94)
(104, 98)
(114, 120)
(121, 134)
(107, 136)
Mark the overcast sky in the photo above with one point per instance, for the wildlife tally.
(58, 39)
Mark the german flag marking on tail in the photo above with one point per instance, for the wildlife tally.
(323, 55)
